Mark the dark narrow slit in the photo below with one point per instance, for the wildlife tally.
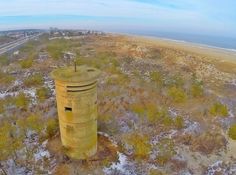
(67, 109)
(80, 90)
(81, 86)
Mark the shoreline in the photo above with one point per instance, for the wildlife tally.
(217, 53)
(176, 40)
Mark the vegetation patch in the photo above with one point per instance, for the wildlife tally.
(26, 63)
(4, 60)
(34, 80)
(43, 93)
(52, 127)
(208, 142)
(218, 109)
(5, 78)
(21, 101)
(177, 95)
(165, 151)
(232, 132)
(140, 144)
(197, 88)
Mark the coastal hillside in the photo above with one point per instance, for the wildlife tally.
(163, 107)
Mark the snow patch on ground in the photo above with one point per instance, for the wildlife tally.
(123, 166)
(172, 112)
(14, 169)
(8, 94)
(219, 167)
(42, 152)
(214, 168)
(48, 82)
(170, 134)
(32, 94)
(192, 128)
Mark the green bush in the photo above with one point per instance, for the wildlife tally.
(34, 122)
(4, 60)
(156, 172)
(10, 141)
(52, 127)
(28, 47)
(218, 109)
(232, 132)
(31, 122)
(197, 89)
(152, 113)
(138, 108)
(157, 78)
(179, 122)
(2, 106)
(55, 48)
(208, 142)
(6, 78)
(141, 145)
(34, 80)
(42, 93)
(177, 95)
(26, 63)
(166, 151)
(21, 101)
(167, 121)
(176, 81)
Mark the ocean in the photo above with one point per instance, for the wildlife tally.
(211, 41)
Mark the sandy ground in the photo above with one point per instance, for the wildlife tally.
(213, 52)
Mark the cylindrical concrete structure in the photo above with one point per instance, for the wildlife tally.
(76, 95)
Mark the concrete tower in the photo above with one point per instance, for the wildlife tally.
(76, 94)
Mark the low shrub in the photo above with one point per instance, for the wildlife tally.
(21, 101)
(152, 113)
(165, 151)
(4, 60)
(138, 108)
(157, 78)
(175, 81)
(167, 121)
(232, 132)
(140, 145)
(51, 128)
(177, 95)
(33, 122)
(26, 63)
(208, 142)
(42, 93)
(156, 172)
(218, 109)
(197, 89)
(179, 122)
(34, 80)
(6, 78)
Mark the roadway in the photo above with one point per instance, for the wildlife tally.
(4, 48)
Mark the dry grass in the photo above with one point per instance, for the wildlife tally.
(208, 143)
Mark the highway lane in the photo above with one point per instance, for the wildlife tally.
(12, 42)
(10, 46)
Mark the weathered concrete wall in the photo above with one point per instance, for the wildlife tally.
(77, 111)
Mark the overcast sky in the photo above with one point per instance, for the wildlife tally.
(208, 17)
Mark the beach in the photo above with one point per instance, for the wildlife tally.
(222, 54)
